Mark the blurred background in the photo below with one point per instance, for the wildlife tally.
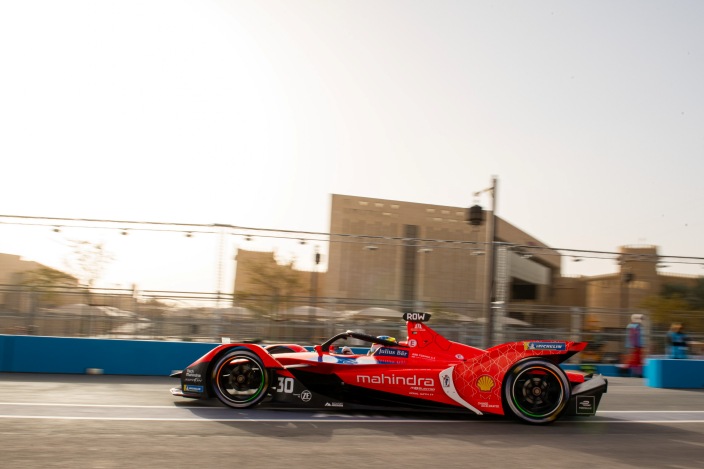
(380, 258)
(168, 168)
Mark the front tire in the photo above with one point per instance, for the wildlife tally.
(536, 391)
(239, 379)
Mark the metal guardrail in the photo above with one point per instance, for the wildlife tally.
(210, 317)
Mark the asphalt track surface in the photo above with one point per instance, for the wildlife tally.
(82, 421)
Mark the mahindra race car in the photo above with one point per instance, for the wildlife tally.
(425, 372)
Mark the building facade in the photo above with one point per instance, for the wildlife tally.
(412, 256)
(421, 256)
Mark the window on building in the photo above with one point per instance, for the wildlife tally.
(521, 290)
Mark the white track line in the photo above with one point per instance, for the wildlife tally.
(323, 419)
(378, 421)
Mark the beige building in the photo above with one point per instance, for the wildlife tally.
(14, 271)
(412, 255)
(405, 255)
(638, 279)
(11, 269)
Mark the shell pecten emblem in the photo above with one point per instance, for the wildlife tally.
(485, 383)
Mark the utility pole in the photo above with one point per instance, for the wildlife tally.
(476, 217)
(314, 286)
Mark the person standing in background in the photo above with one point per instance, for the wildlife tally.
(634, 345)
(676, 341)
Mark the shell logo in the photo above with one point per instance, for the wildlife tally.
(485, 383)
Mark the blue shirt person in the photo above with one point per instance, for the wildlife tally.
(676, 341)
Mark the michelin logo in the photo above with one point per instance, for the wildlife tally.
(556, 346)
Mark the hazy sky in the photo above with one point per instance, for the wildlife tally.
(591, 114)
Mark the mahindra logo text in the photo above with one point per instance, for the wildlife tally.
(398, 380)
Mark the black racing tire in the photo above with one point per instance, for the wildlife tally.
(239, 379)
(536, 391)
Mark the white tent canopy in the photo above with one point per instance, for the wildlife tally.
(376, 313)
(309, 312)
(506, 321)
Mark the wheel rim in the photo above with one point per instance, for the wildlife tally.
(240, 380)
(538, 392)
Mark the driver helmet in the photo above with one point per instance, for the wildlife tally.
(376, 347)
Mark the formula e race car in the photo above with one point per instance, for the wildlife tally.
(424, 372)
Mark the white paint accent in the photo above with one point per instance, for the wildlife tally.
(366, 360)
(451, 391)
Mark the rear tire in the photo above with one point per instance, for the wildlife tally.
(239, 379)
(536, 391)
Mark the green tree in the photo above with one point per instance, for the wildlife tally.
(46, 276)
(272, 286)
(678, 303)
(88, 261)
(48, 283)
(697, 295)
(663, 310)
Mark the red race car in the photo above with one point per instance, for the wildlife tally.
(424, 372)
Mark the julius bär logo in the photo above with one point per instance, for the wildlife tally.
(392, 352)
(485, 383)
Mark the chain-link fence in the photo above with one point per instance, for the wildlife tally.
(208, 317)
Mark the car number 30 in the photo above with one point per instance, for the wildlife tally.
(285, 385)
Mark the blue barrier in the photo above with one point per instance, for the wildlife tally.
(659, 372)
(597, 368)
(678, 374)
(30, 354)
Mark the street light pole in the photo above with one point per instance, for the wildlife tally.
(490, 258)
(313, 300)
(475, 218)
(626, 278)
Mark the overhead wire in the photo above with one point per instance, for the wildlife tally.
(322, 237)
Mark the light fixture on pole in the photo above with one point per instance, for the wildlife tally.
(314, 285)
